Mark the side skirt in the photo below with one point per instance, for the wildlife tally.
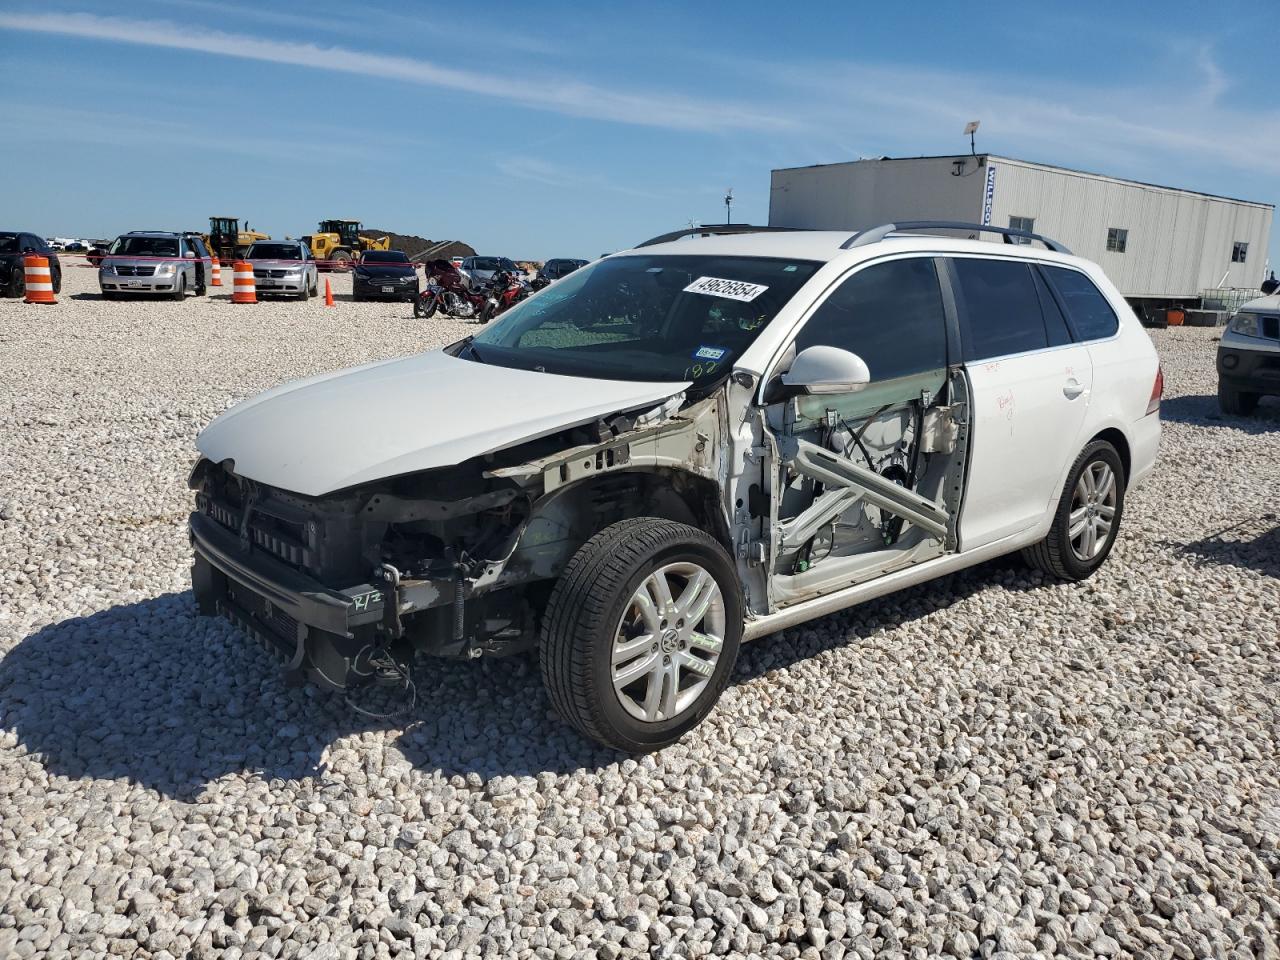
(831, 603)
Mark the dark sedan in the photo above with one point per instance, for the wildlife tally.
(559, 267)
(384, 275)
(15, 245)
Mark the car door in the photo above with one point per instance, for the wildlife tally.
(1030, 387)
(891, 313)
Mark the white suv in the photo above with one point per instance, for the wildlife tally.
(677, 448)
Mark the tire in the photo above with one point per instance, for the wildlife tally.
(181, 293)
(1236, 403)
(57, 281)
(18, 282)
(586, 617)
(340, 260)
(305, 295)
(1058, 554)
(424, 308)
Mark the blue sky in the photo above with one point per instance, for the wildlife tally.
(546, 129)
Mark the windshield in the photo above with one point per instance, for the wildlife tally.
(645, 318)
(484, 263)
(274, 251)
(8, 243)
(145, 247)
(384, 256)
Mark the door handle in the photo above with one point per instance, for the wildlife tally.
(1072, 388)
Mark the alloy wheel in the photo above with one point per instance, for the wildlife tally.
(668, 642)
(1093, 509)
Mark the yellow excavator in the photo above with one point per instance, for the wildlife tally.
(338, 242)
(227, 241)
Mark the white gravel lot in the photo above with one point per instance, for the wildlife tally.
(992, 765)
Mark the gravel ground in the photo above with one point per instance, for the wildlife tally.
(992, 765)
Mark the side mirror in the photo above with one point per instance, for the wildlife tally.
(822, 369)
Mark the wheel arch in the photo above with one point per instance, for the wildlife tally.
(560, 523)
(1115, 436)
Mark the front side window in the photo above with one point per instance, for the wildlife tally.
(1117, 240)
(645, 317)
(1089, 311)
(1239, 251)
(890, 314)
(1022, 223)
(1001, 308)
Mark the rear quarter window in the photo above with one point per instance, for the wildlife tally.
(1087, 309)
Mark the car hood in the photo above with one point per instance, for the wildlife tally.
(394, 417)
(385, 269)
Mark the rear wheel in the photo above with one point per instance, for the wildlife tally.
(641, 633)
(1236, 403)
(1087, 519)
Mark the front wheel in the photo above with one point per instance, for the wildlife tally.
(641, 633)
(1236, 403)
(1087, 519)
(424, 308)
(180, 291)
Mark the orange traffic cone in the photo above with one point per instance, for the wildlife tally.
(243, 289)
(215, 273)
(38, 279)
(328, 293)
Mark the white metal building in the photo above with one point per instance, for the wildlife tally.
(1157, 244)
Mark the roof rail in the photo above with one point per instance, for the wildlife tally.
(876, 234)
(712, 230)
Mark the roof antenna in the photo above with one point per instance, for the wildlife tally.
(728, 202)
(971, 128)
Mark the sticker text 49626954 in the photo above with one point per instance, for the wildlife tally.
(729, 289)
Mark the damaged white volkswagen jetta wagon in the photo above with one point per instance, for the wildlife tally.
(676, 448)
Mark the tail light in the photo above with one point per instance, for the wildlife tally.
(1157, 391)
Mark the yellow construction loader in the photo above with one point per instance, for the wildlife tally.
(338, 242)
(227, 241)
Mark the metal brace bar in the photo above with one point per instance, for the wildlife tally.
(800, 529)
(836, 472)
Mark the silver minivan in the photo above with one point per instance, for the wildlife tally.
(154, 262)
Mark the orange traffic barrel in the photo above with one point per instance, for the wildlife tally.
(215, 273)
(1175, 317)
(38, 279)
(243, 289)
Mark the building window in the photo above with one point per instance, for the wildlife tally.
(1239, 251)
(1022, 223)
(1117, 240)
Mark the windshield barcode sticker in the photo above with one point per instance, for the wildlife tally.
(730, 289)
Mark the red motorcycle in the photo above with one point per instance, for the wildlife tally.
(508, 289)
(447, 291)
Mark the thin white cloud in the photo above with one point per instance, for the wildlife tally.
(649, 108)
(907, 109)
(536, 170)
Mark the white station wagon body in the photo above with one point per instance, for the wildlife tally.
(750, 429)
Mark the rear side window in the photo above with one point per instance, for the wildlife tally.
(889, 314)
(1088, 311)
(1002, 312)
